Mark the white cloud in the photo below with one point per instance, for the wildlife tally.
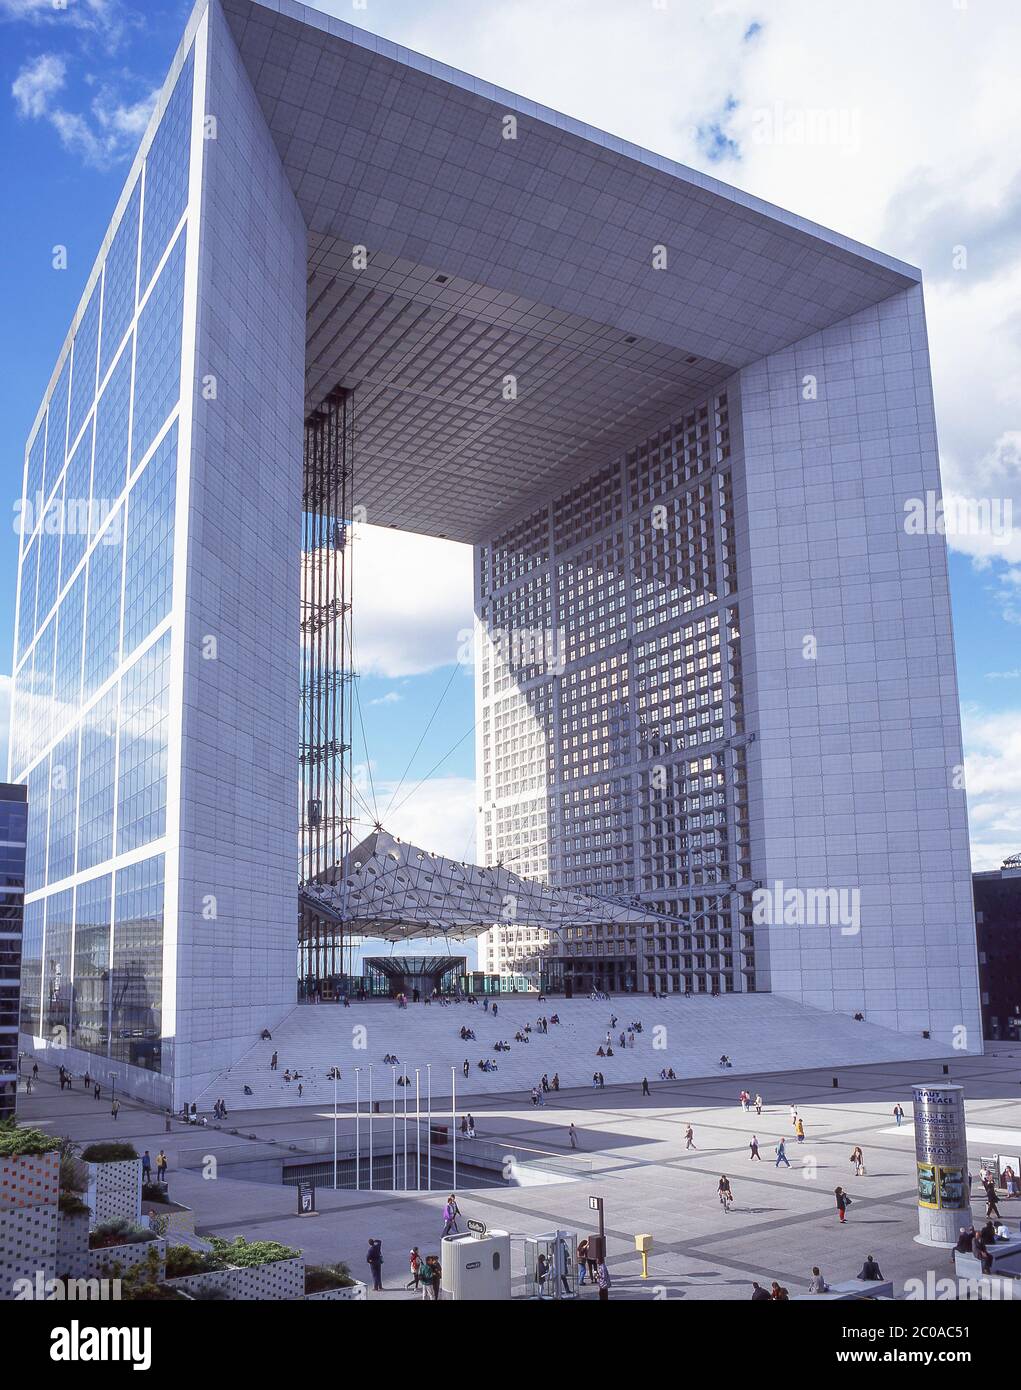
(993, 776)
(392, 697)
(37, 84)
(412, 601)
(438, 816)
(102, 136)
(106, 19)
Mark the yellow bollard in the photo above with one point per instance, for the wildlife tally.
(643, 1244)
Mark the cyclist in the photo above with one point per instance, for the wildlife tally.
(725, 1194)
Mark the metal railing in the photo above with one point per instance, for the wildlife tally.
(472, 1154)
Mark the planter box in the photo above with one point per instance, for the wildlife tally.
(354, 1293)
(28, 1245)
(73, 1245)
(115, 1189)
(30, 1180)
(29, 1218)
(276, 1279)
(273, 1281)
(127, 1256)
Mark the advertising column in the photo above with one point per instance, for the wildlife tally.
(941, 1160)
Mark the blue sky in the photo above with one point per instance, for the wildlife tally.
(902, 168)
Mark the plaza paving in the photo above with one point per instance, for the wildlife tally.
(633, 1155)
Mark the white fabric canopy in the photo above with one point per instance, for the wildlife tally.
(386, 888)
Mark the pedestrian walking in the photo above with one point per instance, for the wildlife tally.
(603, 1280)
(451, 1212)
(758, 1104)
(799, 1129)
(843, 1202)
(754, 1146)
(582, 1254)
(572, 1134)
(858, 1161)
(689, 1138)
(97, 1091)
(374, 1259)
(898, 1113)
(115, 1108)
(645, 1085)
(781, 1154)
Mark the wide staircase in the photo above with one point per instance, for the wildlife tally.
(760, 1033)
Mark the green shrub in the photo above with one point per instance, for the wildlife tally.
(73, 1177)
(71, 1204)
(321, 1277)
(244, 1253)
(155, 1192)
(142, 1284)
(210, 1293)
(118, 1231)
(109, 1151)
(182, 1260)
(152, 1293)
(16, 1143)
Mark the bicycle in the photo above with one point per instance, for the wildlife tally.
(726, 1200)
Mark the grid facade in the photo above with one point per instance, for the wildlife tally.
(90, 732)
(13, 836)
(611, 714)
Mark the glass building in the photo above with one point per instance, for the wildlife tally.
(95, 627)
(13, 835)
(678, 425)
